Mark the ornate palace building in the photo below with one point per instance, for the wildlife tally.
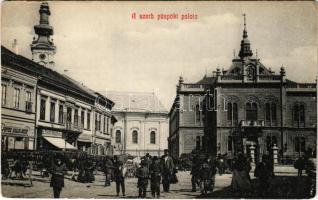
(246, 108)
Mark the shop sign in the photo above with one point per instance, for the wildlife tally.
(47, 132)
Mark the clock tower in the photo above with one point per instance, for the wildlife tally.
(42, 47)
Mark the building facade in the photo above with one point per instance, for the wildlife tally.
(186, 130)
(18, 97)
(142, 124)
(251, 109)
(43, 109)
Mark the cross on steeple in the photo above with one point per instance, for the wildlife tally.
(244, 15)
(245, 50)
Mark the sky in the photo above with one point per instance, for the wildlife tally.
(104, 48)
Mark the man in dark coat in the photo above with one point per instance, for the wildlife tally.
(148, 160)
(300, 165)
(167, 168)
(195, 172)
(142, 174)
(108, 171)
(119, 173)
(58, 171)
(263, 173)
(155, 174)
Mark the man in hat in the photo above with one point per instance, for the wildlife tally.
(108, 171)
(155, 173)
(58, 171)
(119, 173)
(167, 168)
(142, 174)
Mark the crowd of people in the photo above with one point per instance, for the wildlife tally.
(150, 170)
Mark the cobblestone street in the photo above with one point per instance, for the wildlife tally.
(283, 186)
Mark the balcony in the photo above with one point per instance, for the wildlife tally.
(69, 126)
(28, 106)
(252, 123)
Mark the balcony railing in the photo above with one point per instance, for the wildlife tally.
(270, 77)
(252, 123)
(231, 77)
(28, 106)
(303, 85)
(73, 127)
(193, 86)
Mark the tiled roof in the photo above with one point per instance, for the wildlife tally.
(45, 75)
(135, 102)
(206, 80)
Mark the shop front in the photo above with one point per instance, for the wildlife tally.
(16, 137)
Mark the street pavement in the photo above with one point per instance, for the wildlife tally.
(285, 184)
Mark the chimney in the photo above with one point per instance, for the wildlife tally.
(15, 46)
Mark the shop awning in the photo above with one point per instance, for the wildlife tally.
(59, 143)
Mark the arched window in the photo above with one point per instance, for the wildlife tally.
(229, 111)
(235, 113)
(295, 113)
(232, 113)
(251, 111)
(273, 111)
(270, 112)
(198, 142)
(301, 113)
(267, 112)
(135, 137)
(118, 136)
(152, 137)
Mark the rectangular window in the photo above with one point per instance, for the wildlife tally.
(100, 122)
(52, 111)
(28, 96)
(88, 120)
(61, 114)
(28, 103)
(105, 118)
(82, 118)
(69, 115)
(107, 129)
(96, 122)
(76, 117)
(3, 94)
(16, 98)
(42, 108)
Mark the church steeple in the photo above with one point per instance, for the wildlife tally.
(245, 50)
(42, 47)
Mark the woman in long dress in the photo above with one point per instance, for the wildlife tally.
(241, 180)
